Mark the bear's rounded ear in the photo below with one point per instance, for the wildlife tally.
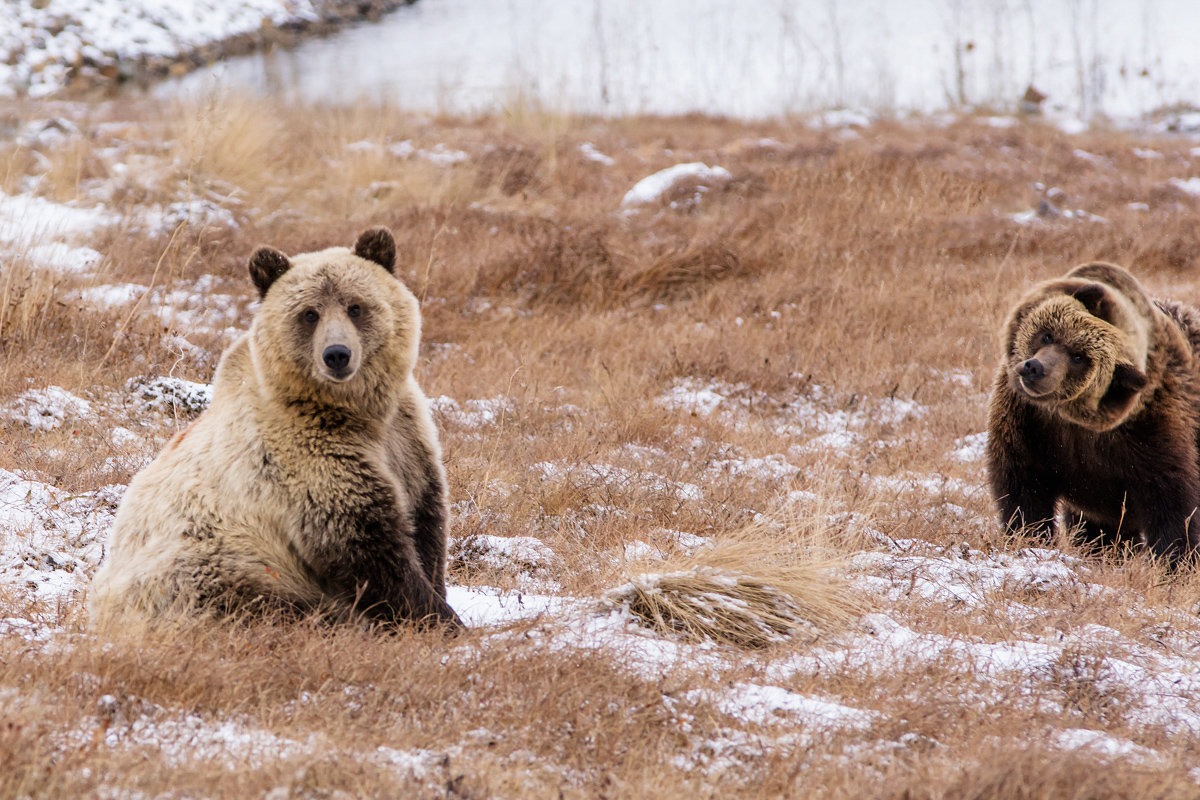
(1096, 299)
(1127, 381)
(377, 245)
(266, 265)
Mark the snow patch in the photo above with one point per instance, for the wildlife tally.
(908, 482)
(766, 705)
(475, 413)
(590, 153)
(524, 557)
(972, 447)
(44, 233)
(170, 396)
(767, 469)
(1190, 187)
(894, 411)
(843, 118)
(654, 188)
(1001, 122)
(42, 45)
(231, 743)
(109, 296)
(47, 409)
(63, 257)
(617, 477)
(962, 575)
(1104, 745)
(1091, 158)
(196, 213)
(51, 540)
(439, 155)
(691, 398)
(26, 219)
(479, 606)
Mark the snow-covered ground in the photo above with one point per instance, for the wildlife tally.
(50, 544)
(653, 188)
(51, 541)
(40, 43)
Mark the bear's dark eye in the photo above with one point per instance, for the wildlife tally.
(1047, 338)
(1078, 358)
(354, 310)
(311, 316)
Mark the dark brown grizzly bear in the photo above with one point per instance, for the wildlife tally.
(1097, 405)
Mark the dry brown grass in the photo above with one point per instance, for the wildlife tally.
(835, 278)
(751, 588)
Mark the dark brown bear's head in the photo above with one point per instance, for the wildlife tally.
(1077, 346)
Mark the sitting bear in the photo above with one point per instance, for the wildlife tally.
(1097, 405)
(314, 480)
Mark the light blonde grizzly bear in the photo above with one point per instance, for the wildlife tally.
(1096, 412)
(314, 480)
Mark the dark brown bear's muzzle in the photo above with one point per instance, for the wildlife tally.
(1043, 374)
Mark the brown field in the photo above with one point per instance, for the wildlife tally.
(785, 365)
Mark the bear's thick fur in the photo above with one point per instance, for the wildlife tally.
(1097, 405)
(314, 480)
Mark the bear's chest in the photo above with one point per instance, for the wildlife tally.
(1099, 465)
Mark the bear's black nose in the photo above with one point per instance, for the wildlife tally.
(1031, 369)
(336, 357)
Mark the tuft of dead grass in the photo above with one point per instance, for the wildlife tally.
(751, 589)
(27, 295)
(706, 604)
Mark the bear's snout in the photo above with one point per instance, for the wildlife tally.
(337, 349)
(337, 358)
(1044, 373)
(1032, 370)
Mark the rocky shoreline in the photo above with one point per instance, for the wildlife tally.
(64, 48)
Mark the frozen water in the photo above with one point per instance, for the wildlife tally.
(750, 59)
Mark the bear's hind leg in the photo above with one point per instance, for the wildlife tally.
(1172, 536)
(1164, 502)
(1097, 538)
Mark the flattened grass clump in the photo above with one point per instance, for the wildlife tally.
(751, 591)
(703, 603)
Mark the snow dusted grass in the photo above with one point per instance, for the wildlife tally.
(713, 382)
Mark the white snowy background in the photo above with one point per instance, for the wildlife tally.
(753, 58)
